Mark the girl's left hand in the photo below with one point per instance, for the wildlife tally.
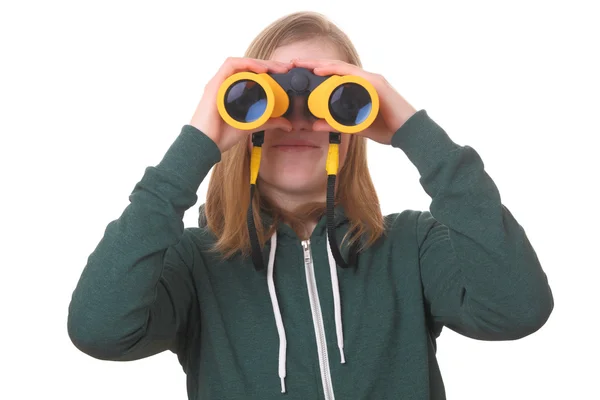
(394, 110)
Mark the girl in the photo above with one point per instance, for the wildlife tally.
(311, 325)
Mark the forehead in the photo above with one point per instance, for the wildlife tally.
(307, 49)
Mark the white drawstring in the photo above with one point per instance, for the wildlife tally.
(277, 313)
(335, 287)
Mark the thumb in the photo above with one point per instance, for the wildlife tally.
(275, 123)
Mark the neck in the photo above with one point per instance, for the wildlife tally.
(296, 205)
(290, 201)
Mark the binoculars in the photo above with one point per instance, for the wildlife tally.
(348, 103)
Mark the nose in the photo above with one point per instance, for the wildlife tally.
(299, 115)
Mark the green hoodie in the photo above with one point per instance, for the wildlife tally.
(300, 326)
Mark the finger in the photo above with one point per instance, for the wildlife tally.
(239, 64)
(278, 66)
(314, 63)
(272, 65)
(339, 69)
(330, 67)
(234, 64)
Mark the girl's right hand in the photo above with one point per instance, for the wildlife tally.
(207, 119)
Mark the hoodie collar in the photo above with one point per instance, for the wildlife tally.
(339, 219)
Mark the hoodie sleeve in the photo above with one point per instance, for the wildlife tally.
(136, 291)
(481, 276)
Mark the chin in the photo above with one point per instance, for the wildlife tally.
(300, 183)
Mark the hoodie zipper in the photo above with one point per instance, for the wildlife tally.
(317, 317)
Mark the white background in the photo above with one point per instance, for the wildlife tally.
(93, 92)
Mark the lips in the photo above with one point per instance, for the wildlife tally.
(295, 146)
(295, 143)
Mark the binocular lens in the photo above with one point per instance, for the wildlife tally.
(245, 101)
(350, 104)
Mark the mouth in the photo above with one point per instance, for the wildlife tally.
(295, 147)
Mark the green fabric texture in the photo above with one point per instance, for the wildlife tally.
(151, 285)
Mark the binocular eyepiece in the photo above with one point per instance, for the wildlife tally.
(348, 103)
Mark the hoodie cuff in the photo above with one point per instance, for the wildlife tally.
(423, 141)
(191, 156)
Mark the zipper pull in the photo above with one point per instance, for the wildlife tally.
(305, 246)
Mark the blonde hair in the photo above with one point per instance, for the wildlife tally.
(228, 194)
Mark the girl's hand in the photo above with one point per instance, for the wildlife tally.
(207, 119)
(394, 110)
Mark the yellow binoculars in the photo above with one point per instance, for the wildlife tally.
(348, 103)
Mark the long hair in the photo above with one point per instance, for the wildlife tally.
(228, 196)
